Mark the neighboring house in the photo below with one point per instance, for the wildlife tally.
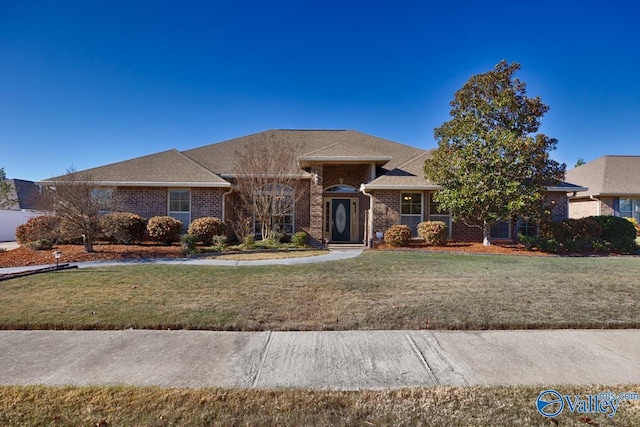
(352, 185)
(22, 205)
(613, 187)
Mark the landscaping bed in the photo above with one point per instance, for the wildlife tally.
(24, 256)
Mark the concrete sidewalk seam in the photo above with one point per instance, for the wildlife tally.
(263, 358)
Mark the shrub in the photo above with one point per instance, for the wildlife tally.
(38, 228)
(205, 228)
(123, 227)
(249, 241)
(300, 239)
(398, 235)
(618, 233)
(529, 242)
(219, 243)
(188, 243)
(433, 232)
(278, 237)
(164, 229)
(40, 245)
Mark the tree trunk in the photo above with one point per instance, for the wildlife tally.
(486, 234)
(87, 241)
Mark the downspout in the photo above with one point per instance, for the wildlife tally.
(368, 238)
(224, 199)
(598, 210)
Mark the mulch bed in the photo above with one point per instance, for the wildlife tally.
(23, 256)
(467, 247)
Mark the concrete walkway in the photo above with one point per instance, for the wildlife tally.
(333, 255)
(347, 360)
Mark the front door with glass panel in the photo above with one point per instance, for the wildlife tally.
(341, 224)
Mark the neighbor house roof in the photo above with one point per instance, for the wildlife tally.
(165, 169)
(608, 176)
(23, 195)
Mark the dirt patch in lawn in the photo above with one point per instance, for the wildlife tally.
(24, 256)
(467, 247)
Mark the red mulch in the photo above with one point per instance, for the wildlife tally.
(75, 253)
(467, 247)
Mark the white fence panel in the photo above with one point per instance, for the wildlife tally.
(10, 220)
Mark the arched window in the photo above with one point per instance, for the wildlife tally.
(341, 188)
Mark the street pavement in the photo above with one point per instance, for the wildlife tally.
(336, 360)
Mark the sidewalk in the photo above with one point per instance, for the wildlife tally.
(333, 255)
(343, 360)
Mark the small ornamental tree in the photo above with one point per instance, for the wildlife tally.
(78, 200)
(490, 162)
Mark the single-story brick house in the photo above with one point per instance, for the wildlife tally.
(353, 185)
(613, 187)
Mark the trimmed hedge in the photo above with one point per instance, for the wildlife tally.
(164, 229)
(398, 235)
(204, 229)
(594, 233)
(433, 232)
(123, 227)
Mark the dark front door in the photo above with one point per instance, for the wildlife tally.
(341, 227)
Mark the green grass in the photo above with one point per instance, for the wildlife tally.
(438, 406)
(378, 290)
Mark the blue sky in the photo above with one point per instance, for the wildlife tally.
(87, 83)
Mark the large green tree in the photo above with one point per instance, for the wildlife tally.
(5, 191)
(490, 160)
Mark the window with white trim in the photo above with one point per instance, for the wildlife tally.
(180, 206)
(630, 208)
(411, 211)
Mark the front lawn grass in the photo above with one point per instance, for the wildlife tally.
(437, 406)
(378, 290)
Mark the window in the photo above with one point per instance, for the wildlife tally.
(341, 189)
(411, 210)
(527, 228)
(278, 200)
(103, 197)
(630, 208)
(437, 214)
(180, 206)
(501, 230)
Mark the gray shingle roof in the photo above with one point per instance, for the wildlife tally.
(409, 175)
(608, 176)
(167, 168)
(220, 157)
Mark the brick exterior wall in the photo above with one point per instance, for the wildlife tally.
(144, 201)
(386, 209)
(206, 202)
(606, 206)
(153, 201)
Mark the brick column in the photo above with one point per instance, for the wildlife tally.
(315, 204)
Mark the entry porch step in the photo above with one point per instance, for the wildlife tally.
(345, 246)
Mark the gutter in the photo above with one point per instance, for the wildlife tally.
(224, 199)
(594, 198)
(369, 232)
